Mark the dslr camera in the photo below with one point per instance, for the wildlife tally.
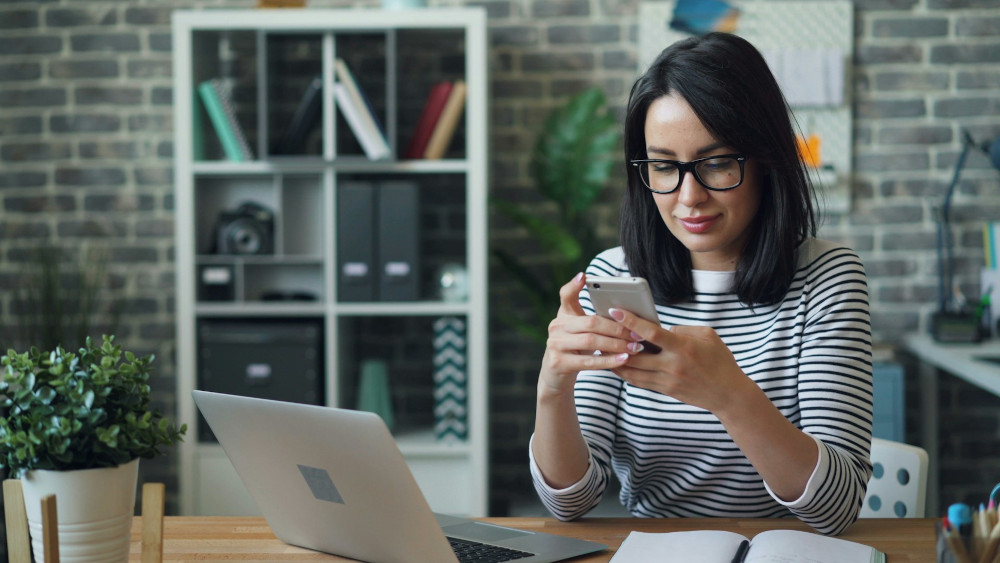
(249, 229)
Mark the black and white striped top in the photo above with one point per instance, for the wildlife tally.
(810, 353)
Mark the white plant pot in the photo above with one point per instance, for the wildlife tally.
(94, 507)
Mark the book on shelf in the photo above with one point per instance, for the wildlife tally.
(991, 236)
(305, 118)
(217, 98)
(429, 116)
(375, 148)
(363, 107)
(444, 129)
(719, 546)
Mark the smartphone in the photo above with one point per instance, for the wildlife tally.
(631, 294)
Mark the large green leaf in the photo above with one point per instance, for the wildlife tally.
(574, 156)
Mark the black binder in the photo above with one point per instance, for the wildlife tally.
(398, 241)
(356, 274)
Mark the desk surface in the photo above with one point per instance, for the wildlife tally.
(964, 360)
(206, 538)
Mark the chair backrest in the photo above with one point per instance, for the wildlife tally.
(898, 487)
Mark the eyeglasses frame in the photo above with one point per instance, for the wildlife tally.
(689, 166)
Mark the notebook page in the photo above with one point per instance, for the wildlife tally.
(790, 546)
(708, 546)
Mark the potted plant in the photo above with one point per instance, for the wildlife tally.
(571, 164)
(76, 426)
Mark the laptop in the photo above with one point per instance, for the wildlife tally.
(333, 480)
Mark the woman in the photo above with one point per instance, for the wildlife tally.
(760, 402)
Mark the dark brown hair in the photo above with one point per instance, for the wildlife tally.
(729, 86)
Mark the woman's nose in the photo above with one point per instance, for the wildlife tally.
(691, 192)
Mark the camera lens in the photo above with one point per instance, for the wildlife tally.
(597, 286)
(243, 236)
(246, 241)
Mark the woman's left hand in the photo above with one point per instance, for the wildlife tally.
(695, 366)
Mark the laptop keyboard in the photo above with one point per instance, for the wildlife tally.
(475, 552)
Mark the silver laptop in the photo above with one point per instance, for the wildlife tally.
(333, 480)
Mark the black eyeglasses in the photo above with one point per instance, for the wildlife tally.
(718, 173)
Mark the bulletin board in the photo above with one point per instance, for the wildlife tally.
(786, 26)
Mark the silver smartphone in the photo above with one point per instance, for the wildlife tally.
(631, 294)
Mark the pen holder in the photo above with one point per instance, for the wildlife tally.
(945, 549)
(944, 554)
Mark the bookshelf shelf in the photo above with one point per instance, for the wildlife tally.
(281, 266)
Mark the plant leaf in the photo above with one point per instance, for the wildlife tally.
(573, 156)
(551, 236)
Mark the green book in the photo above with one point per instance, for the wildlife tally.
(220, 112)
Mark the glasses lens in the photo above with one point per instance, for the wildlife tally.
(719, 173)
(659, 176)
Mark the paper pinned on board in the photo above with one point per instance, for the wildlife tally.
(809, 77)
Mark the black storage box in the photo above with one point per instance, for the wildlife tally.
(279, 359)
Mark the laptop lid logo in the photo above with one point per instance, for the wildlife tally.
(320, 484)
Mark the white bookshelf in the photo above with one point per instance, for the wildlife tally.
(302, 191)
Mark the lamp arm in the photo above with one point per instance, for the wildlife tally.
(959, 164)
(944, 249)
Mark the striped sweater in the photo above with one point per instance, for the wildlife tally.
(810, 353)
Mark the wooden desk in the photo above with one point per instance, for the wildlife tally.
(206, 538)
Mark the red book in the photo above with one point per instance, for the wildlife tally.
(428, 119)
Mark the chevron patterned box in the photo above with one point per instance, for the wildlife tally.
(450, 415)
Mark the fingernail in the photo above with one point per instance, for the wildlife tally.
(636, 336)
(578, 277)
(636, 347)
(621, 357)
(616, 314)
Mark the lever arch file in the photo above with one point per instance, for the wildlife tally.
(398, 244)
(356, 242)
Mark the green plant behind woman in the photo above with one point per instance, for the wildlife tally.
(570, 166)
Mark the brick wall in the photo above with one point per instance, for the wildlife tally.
(86, 145)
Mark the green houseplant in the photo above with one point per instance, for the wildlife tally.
(570, 165)
(76, 426)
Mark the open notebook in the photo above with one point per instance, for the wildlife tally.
(717, 546)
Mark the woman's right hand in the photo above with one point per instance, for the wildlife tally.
(574, 337)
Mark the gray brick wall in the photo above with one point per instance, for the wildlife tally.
(86, 155)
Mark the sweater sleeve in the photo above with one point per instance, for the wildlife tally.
(596, 395)
(835, 390)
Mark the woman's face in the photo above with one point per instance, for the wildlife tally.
(712, 225)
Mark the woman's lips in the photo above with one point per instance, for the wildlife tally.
(698, 224)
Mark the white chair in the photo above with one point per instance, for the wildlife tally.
(898, 487)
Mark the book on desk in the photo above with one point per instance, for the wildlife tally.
(719, 546)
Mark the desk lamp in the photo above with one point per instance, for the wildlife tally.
(949, 324)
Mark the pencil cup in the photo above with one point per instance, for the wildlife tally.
(944, 554)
